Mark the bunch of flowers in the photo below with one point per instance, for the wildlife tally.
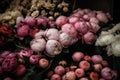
(82, 67)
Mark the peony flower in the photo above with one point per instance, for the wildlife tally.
(84, 65)
(61, 20)
(53, 48)
(70, 30)
(20, 70)
(94, 27)
(94, 20)
(55, 77)
(106, 73)
(30, 21)
(23, 31)
(52, 34)
(81, 27)
(38, 45)
(9, 64)
(89, 38)
(94, 76)
(70, 75)
(77, 56)
(59, 70)
(73, 19)
(79, 72)
(40, 34)
(96, 59)
(65, 39)
(97, 67)
(4, 54)
(43, 63)
(102, 17)
(25, 53)
(34, 59)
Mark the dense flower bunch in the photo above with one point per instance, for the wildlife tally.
(83, 23)
(83, 67)
(49, 8)
(40, 41)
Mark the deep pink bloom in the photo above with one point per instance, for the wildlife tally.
(34, 59)
(23, 31)
(25, 53)
(9, 64)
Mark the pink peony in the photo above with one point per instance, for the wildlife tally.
(102, 17)
(34, 59)
(40, 34)
(59, 70)
(86, 10)
(94, 20)
(52, 34)
(89, 38)
(23, 31)
(25, 53)
(9, 64)
(84, 65)
(4, 54)
(70, 75)
(30, 21)
(81, 27)
(20, 70)
(70, 30)
(43, 63)
(94, 76)
(97, 67)
(94, 27)
(55, 77)
(77, 56)
(97, 59)
(79, 72)
(106, 73)
(42, 21)
(104, 63)
(73, 19)
(38, 45)
(65, 39)
(61, 20)
(53, 47)
(86, 17)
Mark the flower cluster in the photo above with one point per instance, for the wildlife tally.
(83, 23)
(83, 67)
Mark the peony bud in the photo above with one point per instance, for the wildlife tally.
(84, 65)
(77, 56)
(59, 70)
(79, 72)
(43, 63)
(34, 59)
(97, 59)
(70, 75)
(102, 17)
